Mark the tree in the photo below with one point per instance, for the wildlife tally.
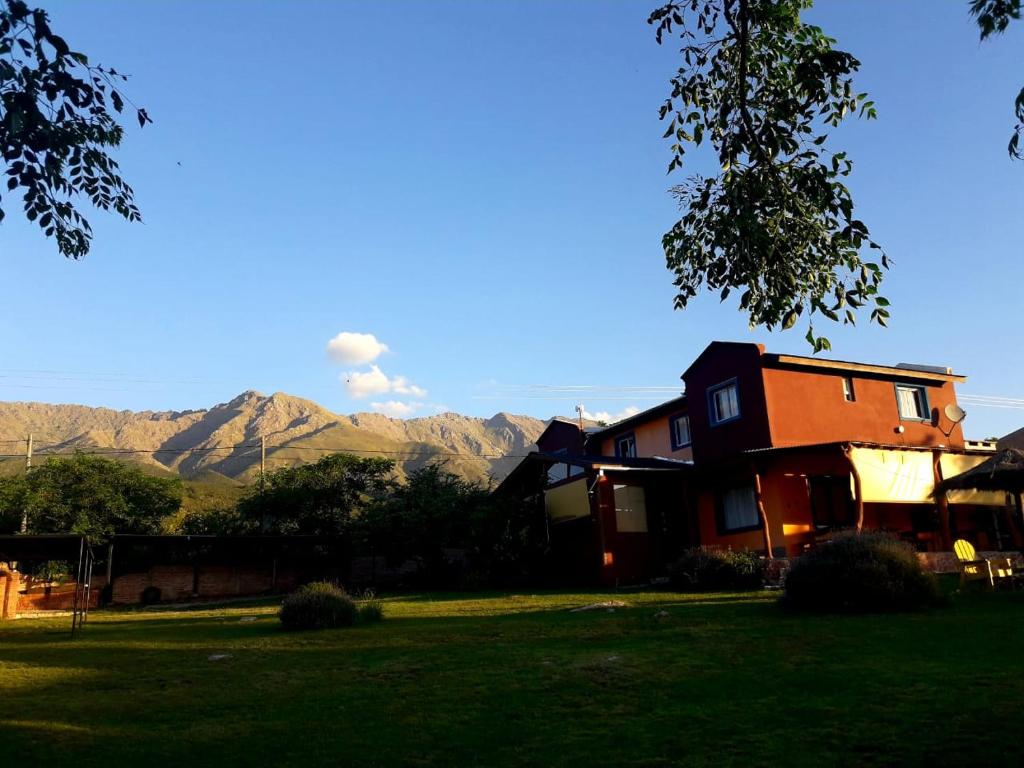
(55, 128)
(436, 511)
(776, 223)
(431, 512)
(317, 499)
(88, 495)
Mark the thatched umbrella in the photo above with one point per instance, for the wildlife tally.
(1003, 471)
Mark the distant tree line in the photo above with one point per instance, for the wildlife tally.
(451, 531)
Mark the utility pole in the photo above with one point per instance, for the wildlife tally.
(263, 460)
(28, 468)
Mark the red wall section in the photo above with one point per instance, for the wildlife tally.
(807, 407)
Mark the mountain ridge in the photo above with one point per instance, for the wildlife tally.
(225, 438)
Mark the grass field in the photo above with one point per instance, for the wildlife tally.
(521, 680)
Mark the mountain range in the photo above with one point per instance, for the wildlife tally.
(224, 441)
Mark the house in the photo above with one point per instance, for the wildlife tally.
(768, 452)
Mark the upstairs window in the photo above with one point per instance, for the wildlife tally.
(912, 401)
(625, 447)
(848, 392)
(724, 402)
(680, 429)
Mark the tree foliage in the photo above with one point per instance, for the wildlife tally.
(57, 123)
(993, 17)
(777, 223)
(436, 512)
(317, 499)
(764, 89)
(88, 495)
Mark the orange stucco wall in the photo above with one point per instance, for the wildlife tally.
(808, 407)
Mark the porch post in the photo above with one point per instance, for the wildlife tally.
(763, 514)
(858, 496)
(942, 502)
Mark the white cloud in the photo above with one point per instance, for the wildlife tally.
(402, 386)
(355, 348)
(396, 409)
(611, 418)
(361, 384)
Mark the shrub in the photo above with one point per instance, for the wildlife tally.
(150, 595)
(371, 607)
(859, 573)
(702, 569)
(317, 606)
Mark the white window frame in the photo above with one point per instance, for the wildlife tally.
(673, 425)
(920, 395)
(849, 391)
(713, 410)
(629, 439)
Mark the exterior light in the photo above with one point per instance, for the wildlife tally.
(609, 558)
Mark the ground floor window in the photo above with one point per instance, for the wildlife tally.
(831, 502)
(630, 509)
(737, 508)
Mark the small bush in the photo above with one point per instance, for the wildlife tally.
(371, 607)
(150, 595)
(860, 573)
(318, 605)
(702, 569)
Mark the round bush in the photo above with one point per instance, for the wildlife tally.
(860, 573)
(317, 606)
(150, 595)
(703, 569)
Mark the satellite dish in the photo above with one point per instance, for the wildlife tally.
(955, 413)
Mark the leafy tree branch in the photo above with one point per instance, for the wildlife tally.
(777, 223)
(57, 120)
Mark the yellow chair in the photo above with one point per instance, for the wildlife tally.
(973, 568)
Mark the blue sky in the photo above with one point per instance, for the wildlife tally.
(481, 187)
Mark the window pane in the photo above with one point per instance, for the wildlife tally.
(681, 430)
(911, 402)
(739, 508)
(725, 403)
(848, 389)
(630, 509)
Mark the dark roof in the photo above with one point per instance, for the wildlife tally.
(541, 461)
(675, 404)
(46, 546)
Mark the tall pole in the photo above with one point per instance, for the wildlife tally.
(28, 468)
(263, 460)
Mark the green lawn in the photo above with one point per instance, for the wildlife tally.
(518, 679)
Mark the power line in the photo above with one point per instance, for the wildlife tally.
(248, 449)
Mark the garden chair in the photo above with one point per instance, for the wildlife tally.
(973, 568)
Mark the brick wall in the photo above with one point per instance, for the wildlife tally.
(176, 582)
(10, 583)
(42, 596)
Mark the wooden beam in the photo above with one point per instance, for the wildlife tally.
(763, 514)
(942, 502)
(883, 370)
(858, 496)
